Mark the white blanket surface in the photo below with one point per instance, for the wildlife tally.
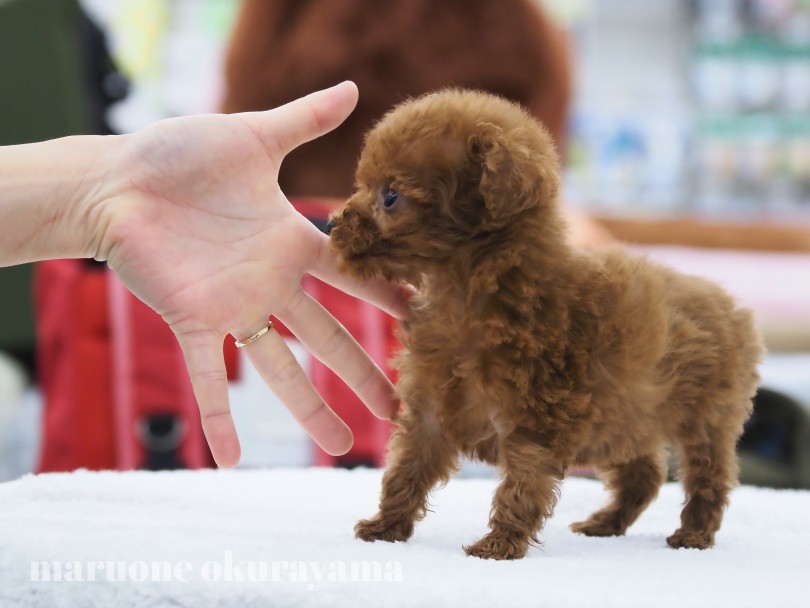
(288, 533)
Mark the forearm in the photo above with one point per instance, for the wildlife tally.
(47, 193)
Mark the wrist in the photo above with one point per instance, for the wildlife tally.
(50, 193)
(91, 195)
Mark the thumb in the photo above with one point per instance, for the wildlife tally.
(288, 126)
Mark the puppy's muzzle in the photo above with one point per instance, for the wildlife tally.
(353, 232)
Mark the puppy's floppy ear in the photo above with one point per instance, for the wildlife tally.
(514, 176)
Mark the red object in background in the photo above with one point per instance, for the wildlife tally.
(149, 380)
(104, 370)
(74, 366)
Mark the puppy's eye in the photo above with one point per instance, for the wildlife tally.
(390, 198)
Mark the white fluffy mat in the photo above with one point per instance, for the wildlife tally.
(288, 533)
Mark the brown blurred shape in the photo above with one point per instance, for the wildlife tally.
(392, 49)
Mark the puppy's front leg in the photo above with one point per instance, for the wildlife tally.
(524, 499)
(419, 457)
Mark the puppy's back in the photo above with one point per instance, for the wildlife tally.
(685, 329)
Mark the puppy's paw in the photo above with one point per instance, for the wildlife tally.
(378, 528)
(597, 527)
(498, 546)
(690, 539)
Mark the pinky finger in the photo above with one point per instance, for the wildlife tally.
(206, 368)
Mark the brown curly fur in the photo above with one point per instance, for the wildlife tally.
(526, 353)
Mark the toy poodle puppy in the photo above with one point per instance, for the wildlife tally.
(527, 353)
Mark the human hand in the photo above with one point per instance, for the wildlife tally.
(191, 218)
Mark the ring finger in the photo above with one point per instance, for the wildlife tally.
(281, 371)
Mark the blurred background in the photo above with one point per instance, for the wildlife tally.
(684, 128)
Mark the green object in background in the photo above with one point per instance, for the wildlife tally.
(42, 96)
(16, 310)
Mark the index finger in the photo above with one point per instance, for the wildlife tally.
(389, 297)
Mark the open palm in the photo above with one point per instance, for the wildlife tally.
(195, 224)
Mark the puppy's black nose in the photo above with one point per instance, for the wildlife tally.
(329, 225)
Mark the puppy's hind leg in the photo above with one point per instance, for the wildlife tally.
(709, 472)
(419, 458)
(633, 485)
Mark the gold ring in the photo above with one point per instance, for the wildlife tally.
(256, 336)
